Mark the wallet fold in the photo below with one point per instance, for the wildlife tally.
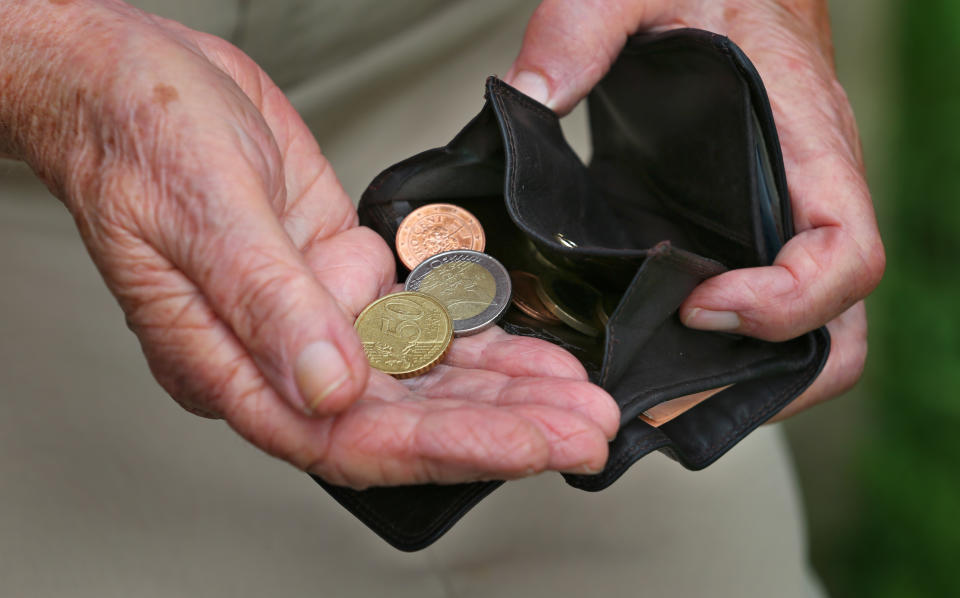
(686, 181)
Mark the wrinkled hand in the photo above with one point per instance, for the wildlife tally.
(236, 256)
(836, 259)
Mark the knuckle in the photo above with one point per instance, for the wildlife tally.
(852, 348)
(852, 364)
(876, 264)
(268, 292)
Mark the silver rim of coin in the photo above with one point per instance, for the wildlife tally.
(498, 304)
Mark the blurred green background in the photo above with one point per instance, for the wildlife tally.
(879, 468)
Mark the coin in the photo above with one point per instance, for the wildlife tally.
(563, 240)
(405, 334)
(526, 300)
(473, 287)
(535, 258)
(572, 301)
(606, 307)
(435, 228)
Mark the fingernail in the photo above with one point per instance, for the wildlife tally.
(533, 84)
(583, 469)
(719, 321)
(319, 372)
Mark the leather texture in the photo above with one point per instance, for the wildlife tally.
(686, 181)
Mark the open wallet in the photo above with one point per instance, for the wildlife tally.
(686, 181)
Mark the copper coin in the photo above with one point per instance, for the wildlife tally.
(526, 300)
(435, 228)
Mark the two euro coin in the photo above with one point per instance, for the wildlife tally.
(474, 288)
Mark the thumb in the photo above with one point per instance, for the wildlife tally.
(569, 46)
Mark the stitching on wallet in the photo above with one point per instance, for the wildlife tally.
(629, 456)
(698, 457)
(613, 330)
(765, 413)
(539, 110)
(700, 380)
(689, 266)
(511, 141)
(760, 416)
(671, 259)
(639, 447)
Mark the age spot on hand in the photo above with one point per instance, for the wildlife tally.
(164, 94)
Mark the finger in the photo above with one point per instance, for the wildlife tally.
(196, 358)
(570, 44)
(206, 205)
(576, 445)
(494, 349)
(356, 266)
(294, 329)
(817, 276)
(837, 258)
(444, 443)
(493, 388)
(317, 207)
(315, 204)
(253, 277)
(848, 355)
(820, 273)
(192, 353)
(452, 441)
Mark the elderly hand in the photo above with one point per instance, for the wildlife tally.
(236, 256)
(836, 259)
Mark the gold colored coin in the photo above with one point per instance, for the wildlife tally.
(405, 334)
(435, 228)
(571, 300)
(537, 258)
(565, 241)
(606, 307)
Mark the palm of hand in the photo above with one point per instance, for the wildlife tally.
(227, 239)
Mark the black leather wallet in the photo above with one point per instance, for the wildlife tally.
(686, 181)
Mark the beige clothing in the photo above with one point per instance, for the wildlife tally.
(108, 488)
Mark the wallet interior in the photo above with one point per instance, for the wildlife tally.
(686, 181)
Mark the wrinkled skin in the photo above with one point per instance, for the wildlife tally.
(230, 245)
(822, 275)
(236, 256)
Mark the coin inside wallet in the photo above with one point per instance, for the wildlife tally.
(685, 182)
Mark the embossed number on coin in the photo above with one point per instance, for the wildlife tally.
(405, 334)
